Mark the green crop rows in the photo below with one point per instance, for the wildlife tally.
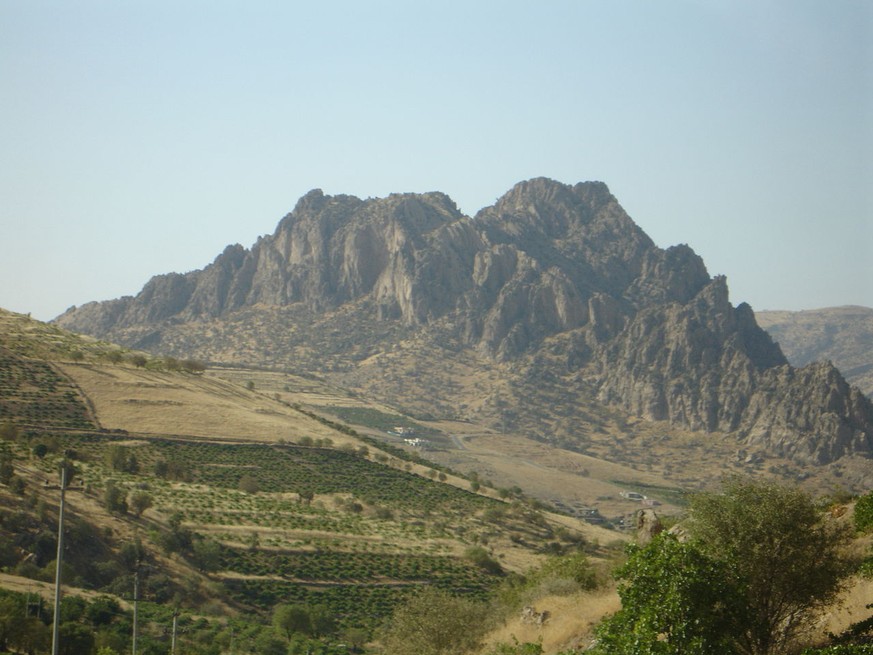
(33, 393)
(357, 562)
(316, 470)
(336, 566)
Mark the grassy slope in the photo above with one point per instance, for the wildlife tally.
(376, 526)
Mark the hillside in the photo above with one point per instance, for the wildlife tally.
(235, 491)
(550, 315)
(254, 497)
(843, 335)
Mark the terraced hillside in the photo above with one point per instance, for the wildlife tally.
(264, 504)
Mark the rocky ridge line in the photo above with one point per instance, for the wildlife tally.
(657, 332)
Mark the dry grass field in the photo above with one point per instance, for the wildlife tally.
(153, 402)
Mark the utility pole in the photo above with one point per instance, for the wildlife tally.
(135, 599)
(175, 623)
(55, 631)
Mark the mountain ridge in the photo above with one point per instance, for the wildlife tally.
(548, 265)
(843, 335)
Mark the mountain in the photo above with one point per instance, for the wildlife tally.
(547, 313)
(843, 335)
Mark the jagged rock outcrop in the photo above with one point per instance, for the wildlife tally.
(842, 335)
(656, 333)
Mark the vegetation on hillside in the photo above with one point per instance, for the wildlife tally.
(276, 548)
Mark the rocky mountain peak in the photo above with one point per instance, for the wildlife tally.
(648, 327)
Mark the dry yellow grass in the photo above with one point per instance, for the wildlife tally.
(570, 622)
(151, 402)
(851, 608)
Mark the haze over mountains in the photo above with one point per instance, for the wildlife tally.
(843, 335)
(539, 314)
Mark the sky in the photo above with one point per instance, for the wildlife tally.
(142, 137)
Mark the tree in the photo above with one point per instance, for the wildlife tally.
(249, 484)
(7, 471)
(480, 557)
(30, 635)
(75, 639)
(433, 622)
(674, 599)
(290, 619)
(864, 512)
(115, 498)
(121, 459)
(269, 643)
(207, 554)
(139, 502)
(193, 366)
(11, 611)
(102, 611)
(114, 356)
(783, 554)
(322, 621)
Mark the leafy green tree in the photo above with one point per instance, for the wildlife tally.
(139, 502)
(11, 611)
(207, 554)
(433, 622)
(322, 621)
(115, 498)
(356, 638)
(675, 600)
(73, 609)
(291, 619)
(132, 554)
(782, 553)
(31, 636)
(864, 513)
(269, 643)
(121, 459)
(102, 611)
(7, 471)
(75, 639)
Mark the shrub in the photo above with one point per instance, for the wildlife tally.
(433, 622)
(864, 513)
(249, 484)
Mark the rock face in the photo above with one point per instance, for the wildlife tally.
(654, 330)
(843, 335)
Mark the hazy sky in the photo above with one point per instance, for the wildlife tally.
(142, 137)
